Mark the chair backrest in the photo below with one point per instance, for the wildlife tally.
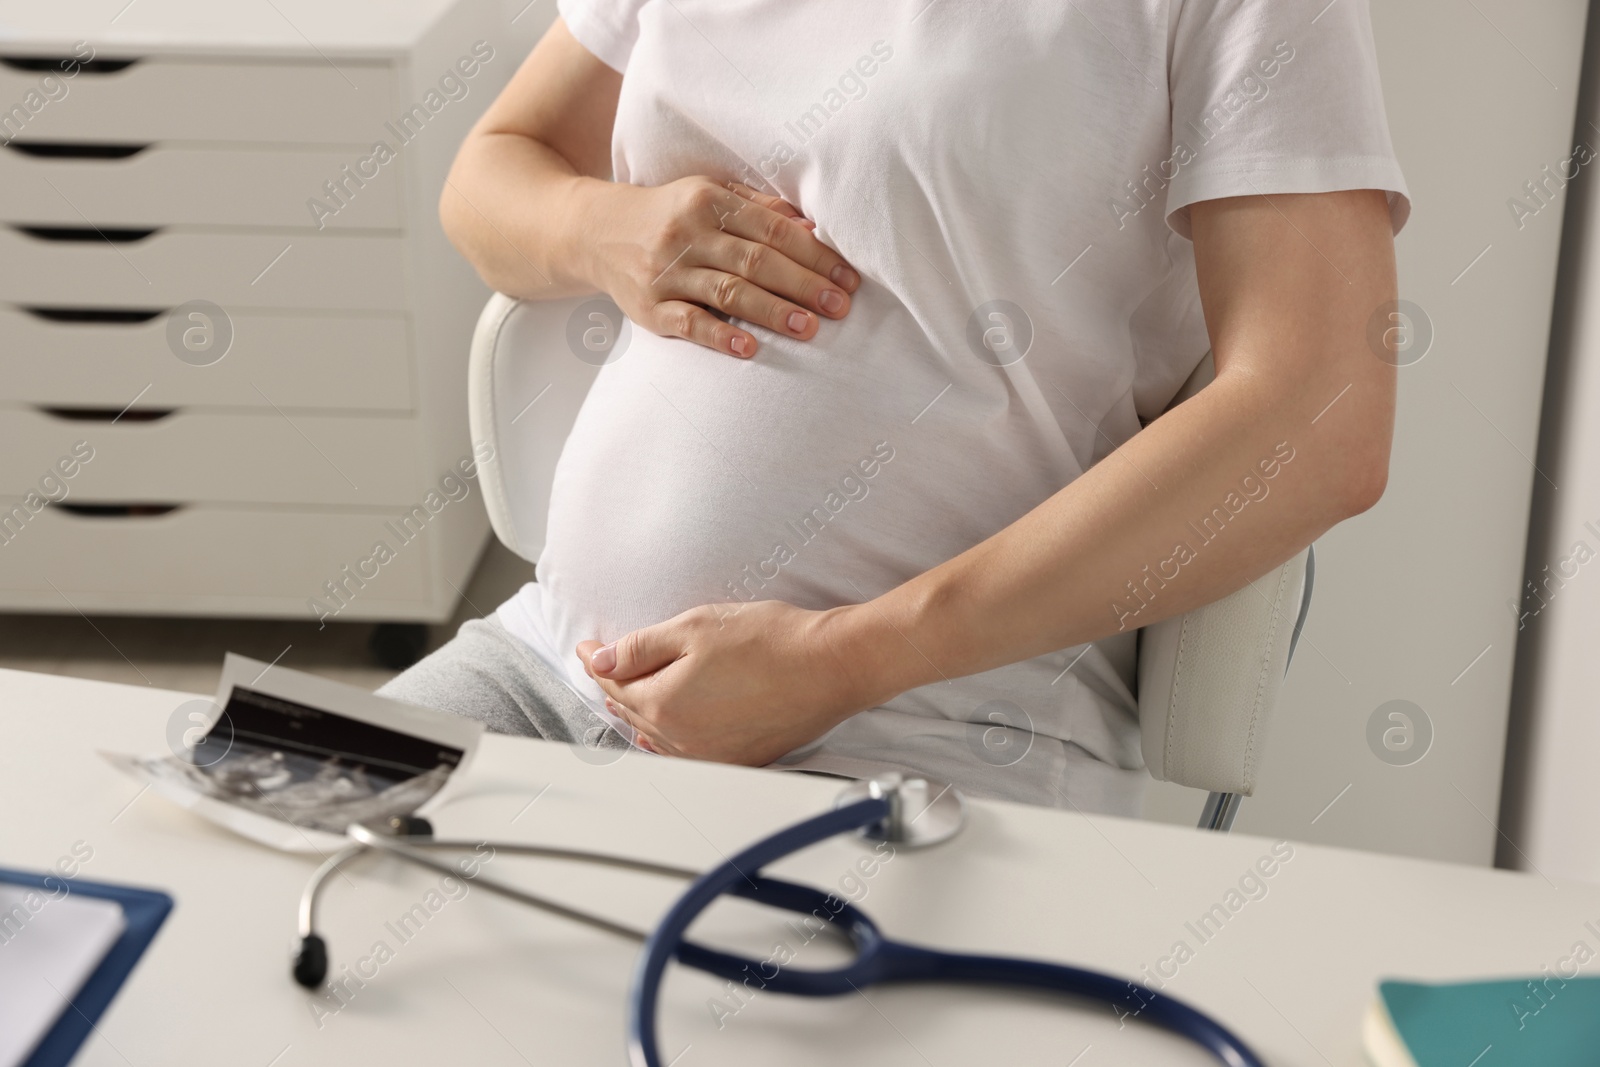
(524, 388)
(1208, 680)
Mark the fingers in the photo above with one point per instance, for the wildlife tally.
(777, 274)
(679, 318)
(756, 263)
(634, 654)
(772, 228)
(751, 302)
(613, 665)
(617, 669)
(626, 671)
(644, 736)
(772, 203)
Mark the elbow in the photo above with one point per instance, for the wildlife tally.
(452, 218)
(459, 221)
(461, 195)
(1357, 444)
(1364, 486)
(1364, 451)
(1360, 470)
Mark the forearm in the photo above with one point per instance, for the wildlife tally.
(516, 210)
(523, 191)
(1212, 495)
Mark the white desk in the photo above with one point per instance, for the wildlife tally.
(487, 982)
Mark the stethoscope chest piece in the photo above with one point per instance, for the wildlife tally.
(922, 812)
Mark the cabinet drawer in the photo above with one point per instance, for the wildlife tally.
(263, 456)
(297, 361)
(172, 98)
(206, 561)
(165, 185)
(336, 272)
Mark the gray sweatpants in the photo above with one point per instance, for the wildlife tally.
(485, 673)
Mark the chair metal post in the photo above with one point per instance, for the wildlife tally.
(1219, 812)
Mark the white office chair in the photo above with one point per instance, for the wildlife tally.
(1208, 680)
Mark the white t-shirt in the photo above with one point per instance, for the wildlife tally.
(1012, 181)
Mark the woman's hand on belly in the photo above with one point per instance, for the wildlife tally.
(733, 684)
(667, 253)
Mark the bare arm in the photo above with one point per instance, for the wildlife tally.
(1288, 284)
(514, 187)
(529, 202)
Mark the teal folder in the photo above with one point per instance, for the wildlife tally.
(1548, 1020)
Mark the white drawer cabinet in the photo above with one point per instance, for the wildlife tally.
(194, 455)
(165, 185)
(160, 97)
(149, 563)
(215, 285)
(71, 358)
(235, 268)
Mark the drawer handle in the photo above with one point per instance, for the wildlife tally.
(110, 316)
(114, 234)
(46, 65)
(108, 414)
(75, 150)
(118, 511)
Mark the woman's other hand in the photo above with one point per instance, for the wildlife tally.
(733, 683)
(667, 253)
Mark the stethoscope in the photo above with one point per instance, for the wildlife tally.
(912, 812)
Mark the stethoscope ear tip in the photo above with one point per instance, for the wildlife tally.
(311, 962)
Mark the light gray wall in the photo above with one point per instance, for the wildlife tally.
(1412, 597)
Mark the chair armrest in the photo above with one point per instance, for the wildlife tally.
(1209, 681)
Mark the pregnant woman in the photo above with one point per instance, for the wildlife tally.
(879, 482)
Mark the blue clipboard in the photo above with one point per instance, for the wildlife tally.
(143, 911)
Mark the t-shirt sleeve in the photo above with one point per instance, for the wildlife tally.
(608, 28)
(1277, 96)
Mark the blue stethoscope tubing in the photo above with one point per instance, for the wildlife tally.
(878, 961)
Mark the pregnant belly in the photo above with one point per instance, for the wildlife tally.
(693, 478)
